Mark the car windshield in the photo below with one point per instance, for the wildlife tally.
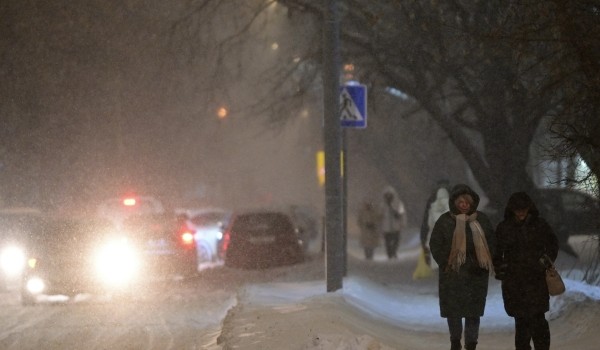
(262, 224)
(69, 234)
(150, 224)
(209, 219)
(578, 202)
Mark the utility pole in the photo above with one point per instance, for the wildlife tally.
(334, 250)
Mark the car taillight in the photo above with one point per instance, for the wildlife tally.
(186, 237)
(129, 202)
(225, 241)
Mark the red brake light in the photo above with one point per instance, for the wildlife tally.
(129, 202)
(187, 238)
(226, 240)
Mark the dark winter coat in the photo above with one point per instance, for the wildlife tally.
(519, 247)
(462, 293)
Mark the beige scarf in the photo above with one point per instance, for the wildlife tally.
(458, 251)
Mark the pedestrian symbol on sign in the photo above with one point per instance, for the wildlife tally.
(353, 106)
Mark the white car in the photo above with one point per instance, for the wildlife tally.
(208, 225)
(120, 208)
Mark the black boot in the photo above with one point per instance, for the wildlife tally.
(470, 346)
(455, 344)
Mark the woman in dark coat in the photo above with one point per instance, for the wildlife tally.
(523, 238)
(462, 243)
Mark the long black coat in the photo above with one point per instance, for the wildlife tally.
(462, 293)
(519, 245)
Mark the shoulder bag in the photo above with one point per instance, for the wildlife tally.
(556, 286)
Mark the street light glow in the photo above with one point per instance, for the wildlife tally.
(222, 113)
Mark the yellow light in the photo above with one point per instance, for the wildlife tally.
(222, 113)
(129, 202)
(321, 167)
(32, 262)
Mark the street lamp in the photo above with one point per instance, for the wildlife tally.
(222, 113)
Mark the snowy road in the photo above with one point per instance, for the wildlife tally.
(164, 315)
(180, 315)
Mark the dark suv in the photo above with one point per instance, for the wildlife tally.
(569, 213)
(261, 239)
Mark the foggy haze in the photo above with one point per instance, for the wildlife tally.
(104, 99)
(116, 106)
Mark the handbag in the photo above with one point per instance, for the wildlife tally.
(423, 269)
(556, 286)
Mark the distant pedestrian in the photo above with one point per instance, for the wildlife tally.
(393, 219)
(462, 244)
(525, 242)
(436, 209)
(426, 226)
(439, 206)
(368, 222)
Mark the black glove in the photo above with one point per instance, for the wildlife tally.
(501, 271)
(545, 261)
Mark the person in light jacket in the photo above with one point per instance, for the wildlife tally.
(368, 223)
(462, 244)
(426, 227)
(525, 243)
(437, 208)
(393, 219)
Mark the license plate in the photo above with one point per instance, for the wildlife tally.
(158, 246)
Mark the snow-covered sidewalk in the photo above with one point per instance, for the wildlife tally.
(380, 307)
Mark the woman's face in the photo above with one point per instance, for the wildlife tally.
(521, 214)
(463, 204)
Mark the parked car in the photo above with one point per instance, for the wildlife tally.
(68, 256)
(165, 242)
(570, 213)
(17, 225)
(260, 239)
(209, 225)
(307, 222)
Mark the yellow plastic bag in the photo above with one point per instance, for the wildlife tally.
(423, 270)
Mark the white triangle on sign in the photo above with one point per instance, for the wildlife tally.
(348, 109)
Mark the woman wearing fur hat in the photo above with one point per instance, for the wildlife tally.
(462, 244)
(523, 239)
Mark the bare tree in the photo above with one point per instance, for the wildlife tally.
(456, 60)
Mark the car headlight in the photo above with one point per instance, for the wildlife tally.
(12, 260)
(117, 263)
(35, 285)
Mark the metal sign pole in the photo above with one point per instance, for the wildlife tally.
(333, 189)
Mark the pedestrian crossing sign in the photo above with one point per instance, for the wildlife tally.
(353, 106)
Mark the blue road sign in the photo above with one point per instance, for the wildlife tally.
(353, 106)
